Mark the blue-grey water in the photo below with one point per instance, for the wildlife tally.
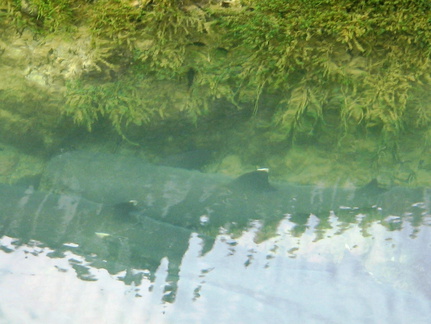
(197, 249)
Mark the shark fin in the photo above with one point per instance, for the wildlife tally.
(256, 181)
(371, 189)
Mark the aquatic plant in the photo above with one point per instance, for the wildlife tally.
(115, 20)
(304, 71)
(144, 47)
(357, 64)
(42, 15)
(171, 30)
(118, 102)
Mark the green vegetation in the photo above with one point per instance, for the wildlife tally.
(364, 65)
(41, 15)
(306, 71)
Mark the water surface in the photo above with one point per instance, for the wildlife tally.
(213, 255)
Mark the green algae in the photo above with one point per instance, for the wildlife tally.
(346, 82)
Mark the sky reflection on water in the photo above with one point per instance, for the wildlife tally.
(350, 278)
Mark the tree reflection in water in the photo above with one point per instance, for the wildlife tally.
(259, 255)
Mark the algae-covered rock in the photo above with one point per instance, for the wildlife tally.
(327, 82)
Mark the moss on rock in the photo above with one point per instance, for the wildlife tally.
(347, 77)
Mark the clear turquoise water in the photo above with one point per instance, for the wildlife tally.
(189, 253)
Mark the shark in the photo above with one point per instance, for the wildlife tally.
(122, 213)
(198, 201)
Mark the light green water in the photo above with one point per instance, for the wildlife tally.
(328, 103)
(200, 251)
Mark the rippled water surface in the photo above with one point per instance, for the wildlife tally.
(113, 239)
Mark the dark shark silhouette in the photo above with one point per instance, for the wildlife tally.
(89, 199)
(196, 200)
